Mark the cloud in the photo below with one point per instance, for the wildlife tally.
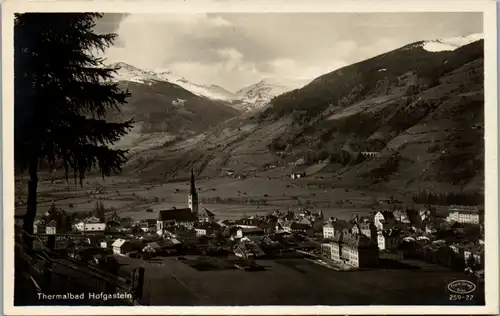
(237, 49)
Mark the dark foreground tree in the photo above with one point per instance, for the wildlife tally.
(62, 95)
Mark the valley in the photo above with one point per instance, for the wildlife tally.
(421, 118)
(407, 121)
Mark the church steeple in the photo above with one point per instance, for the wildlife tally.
(193, 196)
(193, 187)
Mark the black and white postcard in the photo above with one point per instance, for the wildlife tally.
(257, 157)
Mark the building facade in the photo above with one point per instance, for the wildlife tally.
(388, 240)
(355, 250)
(464, 215)
(90, 227)
(383, 220)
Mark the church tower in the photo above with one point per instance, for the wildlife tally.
(193, 196)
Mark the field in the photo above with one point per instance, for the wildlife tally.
(226, 197)
(294, 282)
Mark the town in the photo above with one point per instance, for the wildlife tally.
(399, 238)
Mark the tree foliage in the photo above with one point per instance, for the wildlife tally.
(62, 94)
(448, 198)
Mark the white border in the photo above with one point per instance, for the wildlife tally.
(491, 159)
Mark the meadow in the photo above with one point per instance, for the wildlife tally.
(226, 197)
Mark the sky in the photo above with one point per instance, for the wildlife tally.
(234, 50)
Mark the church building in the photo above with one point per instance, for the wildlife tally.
(186, 216)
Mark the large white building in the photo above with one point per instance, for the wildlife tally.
(90, 227)
(328, 231)
(464, 214)
(355, 250)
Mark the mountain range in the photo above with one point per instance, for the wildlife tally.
(408, 119)
(251, 97)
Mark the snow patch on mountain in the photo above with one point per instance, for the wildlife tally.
(260, 94)
(450, 44)
(178, 102)
(130, 73)
(250, 98)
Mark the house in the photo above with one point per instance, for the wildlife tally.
(430, 228)
(268, 227)
(206, 229)
(326, 249)
(297, 175)
(205, 215)
(359, 251)
(248, 222)
(423, 238)
(317, 228)
(401, 216)
(126, 222)
(283, 225)
(153, 247)
(260, 240)
(388, 239)
(355, 250)
(122, 246)
(370, 154)
(475, 251)
(384, 220)
(85, 226)
(183, 217)
(464, 214)
(103, 244)
(224, 223)
(92, 219)
(356, 229)
(50, 228)
(39, 227)
(455, 248)
(299, 228)
(148, 225)
(114, 225)
(245, 232)
(305, 221)
(369, 230)
(337, 225)
(248, 249)
(228, 231)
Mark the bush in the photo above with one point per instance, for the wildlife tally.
(448, 198)
(386, 169)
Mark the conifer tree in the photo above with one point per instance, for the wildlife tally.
(63, 92)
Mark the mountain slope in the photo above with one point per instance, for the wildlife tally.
(164, 110)
(418, 113)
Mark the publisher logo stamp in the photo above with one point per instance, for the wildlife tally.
(461, 287)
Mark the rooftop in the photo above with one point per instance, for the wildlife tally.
(179, 215)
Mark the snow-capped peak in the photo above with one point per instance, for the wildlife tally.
(450, 44)
(128, 72)
(259, 94)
